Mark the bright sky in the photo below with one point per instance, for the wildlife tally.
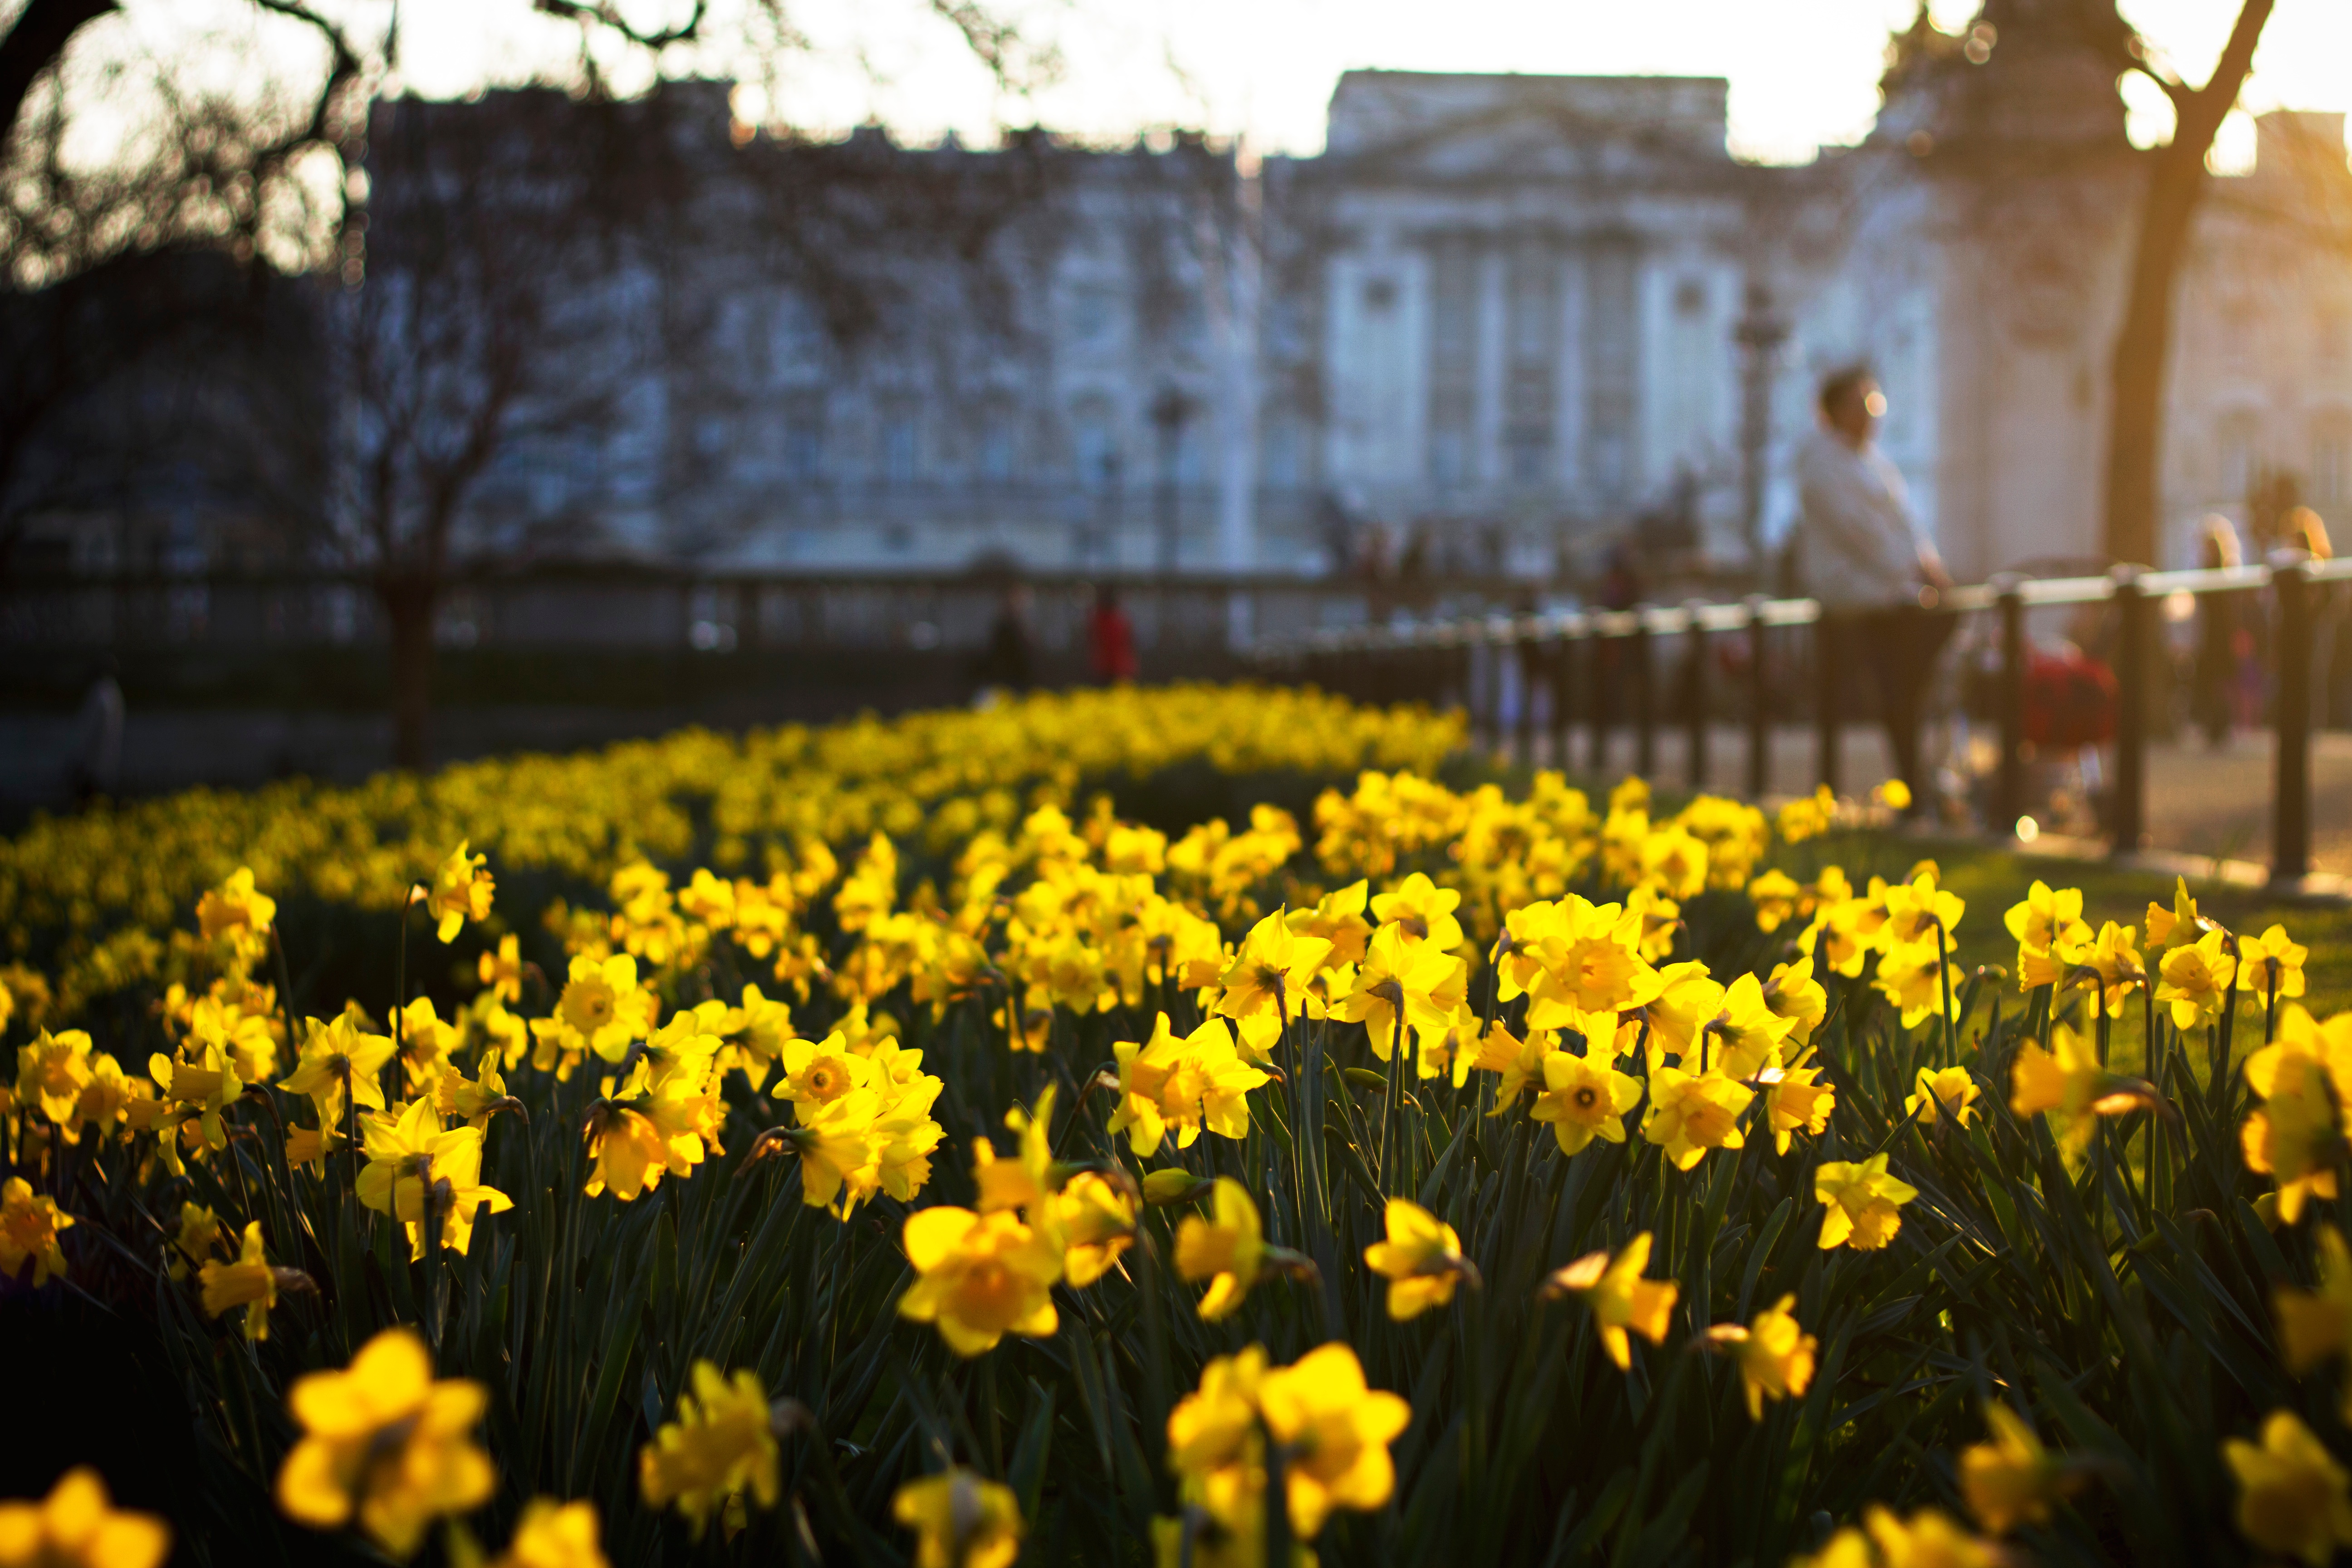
(1803, 72)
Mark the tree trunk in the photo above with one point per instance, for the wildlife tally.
(408, 606)
(2144, 340)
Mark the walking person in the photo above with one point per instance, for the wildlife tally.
(1008, 665)
(1863, 554)
(2211, 677)
(1110, 638)
(95, 769)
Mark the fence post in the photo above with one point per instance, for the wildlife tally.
(2008, 782)
(1759, 714)
(1600, 707)
(1645, 701)
(1563, 687)
(1825, 697)
(2291, 802)
(1530, 658)
(2129, 815)
(1695, 695)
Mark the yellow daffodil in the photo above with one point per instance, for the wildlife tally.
(1929, 1538)
(411, 1164)
(2196, 978)
(1520, 1062)
(1421, 1259)
(960, 1519)
(1228, 1250)
(1938, 1093)
(553, 1534)
(1422, 911)
(981, 1277)
(1690, 1113)
(1807, 816)
(30, 1223)
(1583, 1098)
(250, 1282)
(1792, 993)
(461, 892)
(2181, 922)
(236, 911)
(1270, 976)
(1338, 918)
(52, 1072)
(601, 1009)
(2068, 1078)
(502, 972)
(1618, 1297)
(200, 1235)
(1335, 1433)
(1183, 1085)
(78, 1526)
(1401, 982)
(336, 1057)
(722, 1445)
(1915, 979)
(1775, 1355)
(1796, 1101)
(2271, 965)
(1095, 1219)
(818, 1072)
(385, 1446)
(1864, 1202)
(2315, 1326)
(2292, 1494)
(2296, 1136)
(1210, 1427)
(2047, 918)
(2013, 1479)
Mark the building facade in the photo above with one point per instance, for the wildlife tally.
(1502, 324)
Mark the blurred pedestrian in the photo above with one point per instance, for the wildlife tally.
(1009, 664)
(2212, 681)
(1868, 561)
(96, 770)
(1110, 638)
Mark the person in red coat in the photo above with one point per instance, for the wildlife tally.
(1110, 638)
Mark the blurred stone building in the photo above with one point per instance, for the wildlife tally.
(1501, 325)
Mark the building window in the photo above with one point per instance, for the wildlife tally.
(899, 448)
(1380, 294)
(1284, 441)
(996, 447)
(1096, 443)
(1690, 298)
(2236, 447)
(1094, 315)
(805, 442)
(2241, 333)
(1528, 451)
(1445, 459)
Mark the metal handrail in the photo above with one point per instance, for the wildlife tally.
(1430, 655)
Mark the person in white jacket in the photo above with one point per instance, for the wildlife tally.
(1863, 554)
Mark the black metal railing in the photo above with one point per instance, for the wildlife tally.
(1601, 671)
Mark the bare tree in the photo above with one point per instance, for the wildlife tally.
(503, 240)
(2175, 182)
